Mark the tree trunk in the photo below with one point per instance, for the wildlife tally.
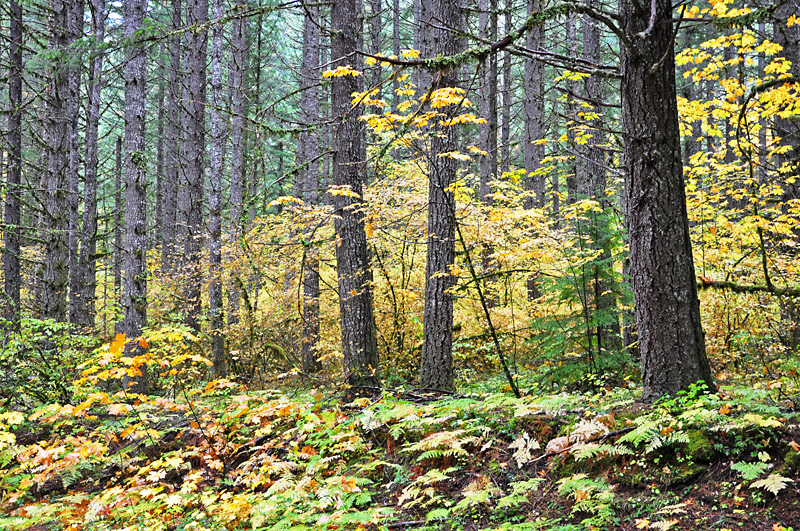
(12, 218)
(75, 28)
(54, 292)
(506, 94)
(572, 110)
(375, 37)
(534, 115)
(238, 70)
(309, 114)
(215, 202)
(134, 288)
(349, 165)
(788, 129)
(118, 227)
(88, 256)
(169, 225)
(158, 220)
(671, 340)
(195, 167)
(488, 101)
(436, 368)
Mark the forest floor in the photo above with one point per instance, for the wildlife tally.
(223, 457)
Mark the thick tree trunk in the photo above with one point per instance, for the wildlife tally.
(88, 256)
(375, 37)
(309, 114)
(237, 74)
(215, 202)
(134, 287)
(169, 225)
(11, 217)
(506, 94)
(349, 165)
(195, 163)
(572, 109)
(436, 368)
(56, 272)
(534, 115)
(788, 129)
(671, 339)
(75, 28)
(158, 219)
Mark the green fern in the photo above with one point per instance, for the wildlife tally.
(749, 471)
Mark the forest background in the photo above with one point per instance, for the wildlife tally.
(574, 196)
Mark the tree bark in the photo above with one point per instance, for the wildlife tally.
(75, 29)
(134, 287)
(788, 129)
(56, 272)
(309, 115)
(488, 101)
(119, 229)
(506, 94)
(12, 215)
(359, 344)
(534, 115)
(436, 367)
(169, 225)
(88, 256)
(195, 166)
(220, 367)
(237, 75)
(671, 339)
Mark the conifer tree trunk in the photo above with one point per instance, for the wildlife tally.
(237, 75)
(572, 109)
(671, 337)
(534, 115)
(375, 37)
(194, 163)
(309, 114)
(119, 229)
(158, 219)
(169, 224)
(488, 101)
(788, 129)
(436, 367)
(134, 288)
(12, 215)
(56, 224)
(88, 255)
(506, 94)
(359, 345)
(75, 28)
(215, 201)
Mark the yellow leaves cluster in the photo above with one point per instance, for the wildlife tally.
(341, 71)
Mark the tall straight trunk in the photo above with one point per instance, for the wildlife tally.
(56, 272)
(359, 345)
(506, 95)
(88, 256)
(572, 109)
(118, 227)
(309, 114)
(169, 224)
(158, 221)
(671, 340)
(134, 287)
(590, 175)
(395, 49)
(12, 215)
(215, 201)
(238, 70)
(534, 115)
(195, 166)
(762, 122)
(375, 38)
(436, 367)
(75, 29)
(488, 101)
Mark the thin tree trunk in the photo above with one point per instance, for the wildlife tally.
(309, 114)
(118, 227)
(134, 289)
(75, 28)
(359, 345)
(56, 272)
(788, 129)
(436, 367)
(488, 101)
(395, 49)
(88, 256)
(375, 37)
(534, 115)
(194, 112)
(506, 94)
(238, 70)
(215, 201)
(671, 341)
(12, 215)
(572, 110)
(169, 225)
(158, 221)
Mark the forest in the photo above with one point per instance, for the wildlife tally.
(400, 265)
